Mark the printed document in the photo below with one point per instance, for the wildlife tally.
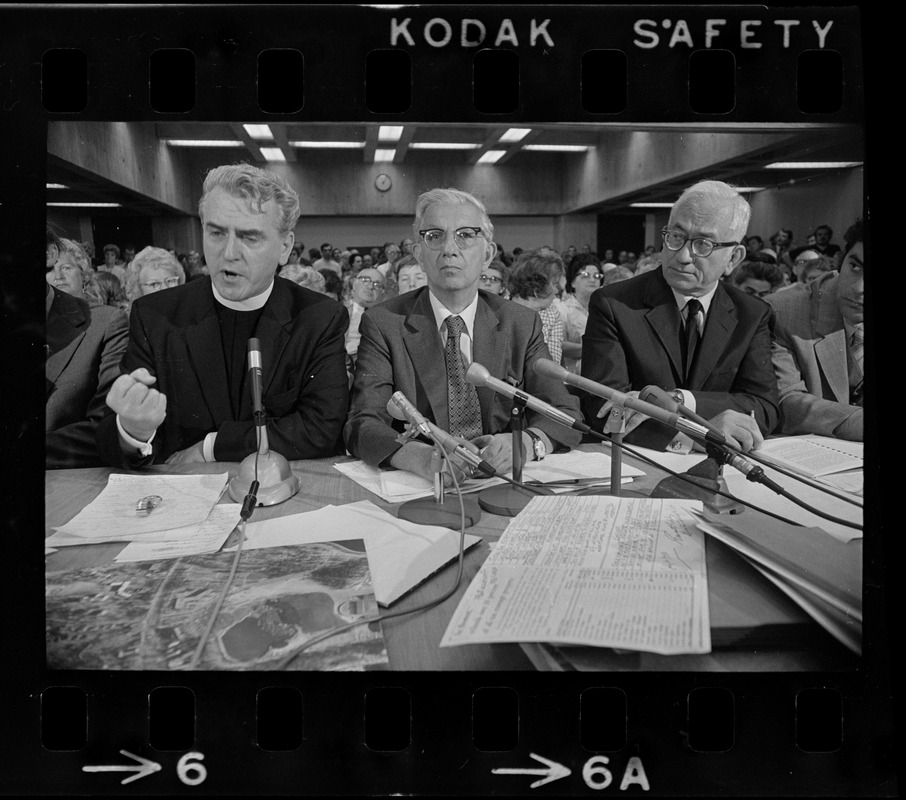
(617, 572)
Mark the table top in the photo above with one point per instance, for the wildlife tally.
(412, 640)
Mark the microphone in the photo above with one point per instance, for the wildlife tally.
(264, 476)
(546, 367)
(753, 472)
(400, 407)
(478, 375)
(657, 396)
(255, 373)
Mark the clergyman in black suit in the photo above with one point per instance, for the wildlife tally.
(184, 395)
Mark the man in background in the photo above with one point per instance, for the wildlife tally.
(818, 347)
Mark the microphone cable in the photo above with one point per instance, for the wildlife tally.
(652, 462)
(287, 659)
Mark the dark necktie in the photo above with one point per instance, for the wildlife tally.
(462, 397)
(690, 336)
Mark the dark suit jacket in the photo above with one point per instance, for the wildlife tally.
(84, 349)
(401, 350)
(175, 334)
(810, 361)
(632, 340)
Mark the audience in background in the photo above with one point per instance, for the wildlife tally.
(66, 273)
(583, 277)
(112, 262)
(535, 282)
(327, 260)
(757, 278)
(409, 275)
(824, 245)
(495, 278)
(333, 284)
(392, 254)
(105, 289)
(617, 272)
(818, 342)
(154, 269)
(366, 289)
(809, 264)
(84, 347)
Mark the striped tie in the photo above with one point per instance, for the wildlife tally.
(857, 348)
(462, 397)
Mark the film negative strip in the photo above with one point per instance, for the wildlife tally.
(653, 97)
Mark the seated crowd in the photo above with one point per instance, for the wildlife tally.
(147, 353)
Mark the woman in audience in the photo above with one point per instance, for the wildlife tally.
(308, 277)
(409, 275)
(583, 276)
(154, 269)
(67, 275)
(534, 282)
(494, 279)
(333, 284)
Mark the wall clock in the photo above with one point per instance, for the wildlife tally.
(382, 182)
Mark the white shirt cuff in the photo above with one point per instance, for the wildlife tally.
(688, 399)
(208, 446)
(143, 447)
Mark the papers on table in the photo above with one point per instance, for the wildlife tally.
(192, 540)
(401, 554)
(606, 571)
(767, 500)
(186, 500)
(398, 486)
(814, 456)
(821, 574)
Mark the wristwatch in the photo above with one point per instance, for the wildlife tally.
(539, 451)
(677, 395)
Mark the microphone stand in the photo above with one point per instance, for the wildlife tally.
(441, 509)
(614, 427)
(508, 499)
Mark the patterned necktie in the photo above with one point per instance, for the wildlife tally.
(462, 397)
(690, 335)
(857, 348)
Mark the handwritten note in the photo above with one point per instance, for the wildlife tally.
(605, 571)
(192, 540)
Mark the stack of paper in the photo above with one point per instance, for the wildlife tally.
(818, 572)
(594, 570)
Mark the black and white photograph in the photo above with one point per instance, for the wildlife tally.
(444, 400)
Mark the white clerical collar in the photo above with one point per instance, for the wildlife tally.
(249, 304)
(441, 312)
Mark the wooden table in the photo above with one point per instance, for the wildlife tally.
(412, 640)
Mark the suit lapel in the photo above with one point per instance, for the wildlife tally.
(67, 325)
(206, 354)
(272, 332)
(831, 353)
(664, 318)
(492, 352)
(422, 342)
(719, 327)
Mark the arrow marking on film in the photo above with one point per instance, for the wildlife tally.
(144, 767)
(552, 772)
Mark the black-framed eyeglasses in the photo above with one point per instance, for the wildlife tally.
(371, 282)
(674, 240)
(595, 276)
(490, 279)
(465, 238)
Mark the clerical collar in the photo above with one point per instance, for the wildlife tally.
(249, 304)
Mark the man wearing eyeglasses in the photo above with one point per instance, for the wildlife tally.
(683, 329)
(185, 393)
(367, 289)
(421, 342)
